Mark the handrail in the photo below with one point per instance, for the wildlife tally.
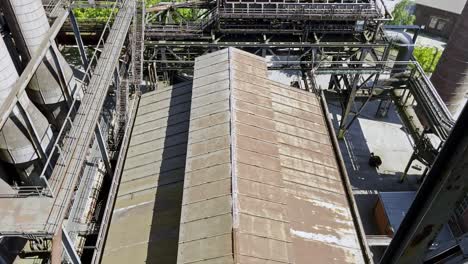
(73, 108)
(115, 182)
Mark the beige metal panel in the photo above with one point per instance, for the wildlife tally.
(260, 146)
(152, 168)
(254, 143)
(208, 160)
(253, 109)
(319, 216)
(297, 112)
(139, 137)
(210, 120)
(216, 249)
(208, 146)
(206, 221)
(157, 144)
(207, 191)
(212, 87)
(218, 66)
(206, 209)
(142, 184)
(300, 123)
(259, 174)
(263, 248)
(306, 144)
(252, 88)
(213, 78)
(146, 218)
(260, 190)
(165, 104)
(214, 173)
(155, 155)
(209, 109)
(288, 92)
(204, 228)
(263, 227)
(254, 120)
(151, 124)
(308, 155)
(210, 98)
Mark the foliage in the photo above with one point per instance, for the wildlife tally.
(99, 14)
(428, 57)
(401, 15)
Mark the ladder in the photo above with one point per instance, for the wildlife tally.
(138, 36)
(135, 75)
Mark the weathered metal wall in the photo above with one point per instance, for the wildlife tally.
(451, 75)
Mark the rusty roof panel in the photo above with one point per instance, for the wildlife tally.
(320, 218)
(255, 144)
(243, 163)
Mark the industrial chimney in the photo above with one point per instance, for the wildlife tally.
(28, 23)
(15, 142)
(451, 75)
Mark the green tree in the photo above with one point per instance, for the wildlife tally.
(428, 57)
(401, 15)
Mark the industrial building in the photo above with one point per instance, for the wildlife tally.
(438, 18)
(228, 131)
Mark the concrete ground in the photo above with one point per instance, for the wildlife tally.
(386, 138)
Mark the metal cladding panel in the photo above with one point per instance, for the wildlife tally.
(206, 223)
(321, 224)
(261, 227)
(145, 221)
(261, 184)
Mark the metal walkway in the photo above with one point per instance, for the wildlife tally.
(42, 215)
(76, 143)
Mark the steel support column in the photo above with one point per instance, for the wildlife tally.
(70, 247)
(103, 149)
(350, 99)
(444, 185)
(66, 89)
(79, 40)
(34, 136)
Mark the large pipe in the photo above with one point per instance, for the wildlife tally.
(451, 75)
(16, 145)
(405, 48)
(28, 23)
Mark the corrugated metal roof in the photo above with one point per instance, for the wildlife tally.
(259, 174)
(279, 188)
(145, 222)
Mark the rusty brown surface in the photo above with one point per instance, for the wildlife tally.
(251, 174)
(321, 224)
(267, 186)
